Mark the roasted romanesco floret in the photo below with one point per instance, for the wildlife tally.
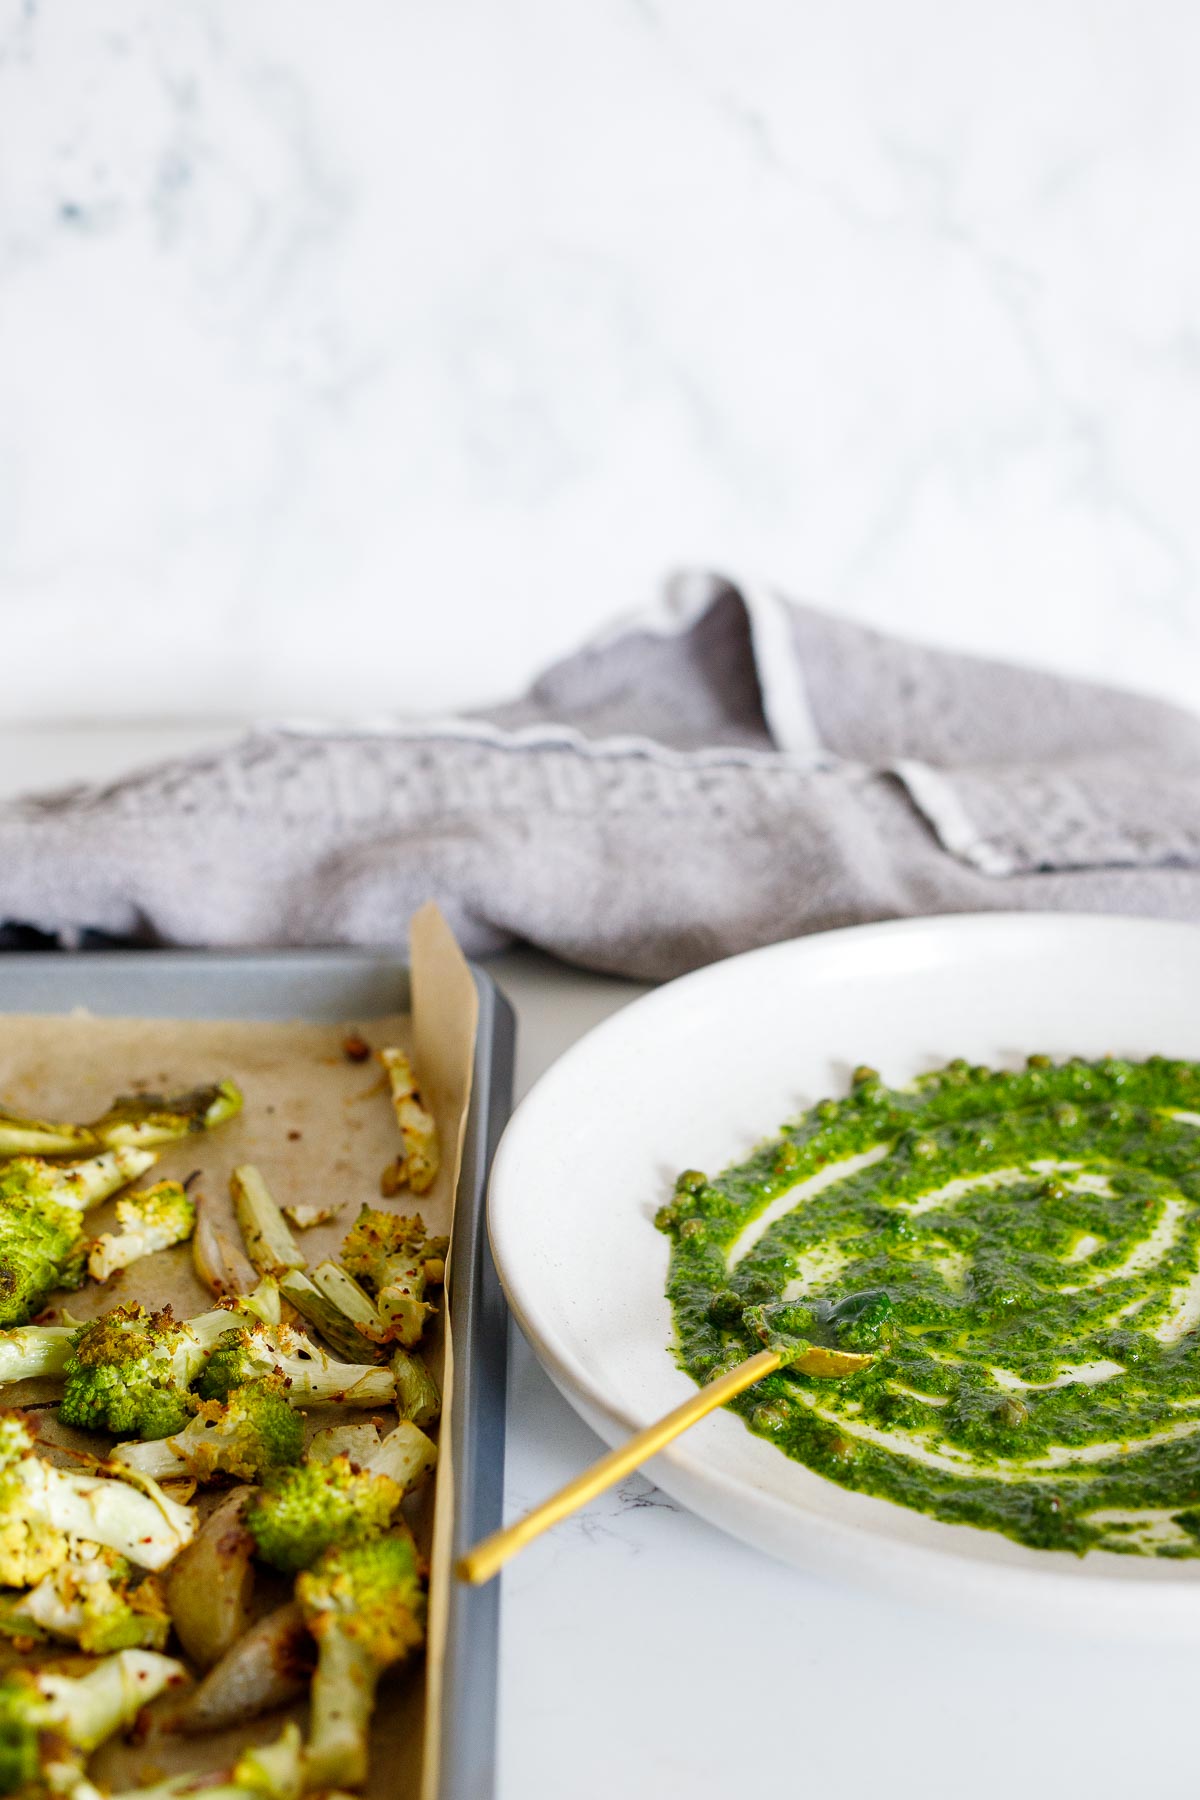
(42, 1506)
(365, 1606)
(50, 1723)
(251, 1433)
(395, 1258)
(42, 1247)
(42, 1244)
(42, 1241)
(312, 1377)
(301, 1512)
(93, 1600)
(418, 1164)
(151, 1219)
(129, 1373)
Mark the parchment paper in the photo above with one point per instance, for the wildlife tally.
(321, 1129)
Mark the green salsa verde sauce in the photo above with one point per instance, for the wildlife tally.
(1019, 1251)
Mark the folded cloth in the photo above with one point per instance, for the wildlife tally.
(730, 770)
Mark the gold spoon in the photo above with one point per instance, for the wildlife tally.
(488, 1557)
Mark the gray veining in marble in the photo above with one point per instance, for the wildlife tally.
(364, 357)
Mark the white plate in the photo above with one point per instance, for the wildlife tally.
(695, 1074)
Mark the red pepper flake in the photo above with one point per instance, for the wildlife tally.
(355, 1048)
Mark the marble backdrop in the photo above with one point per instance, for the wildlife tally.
(358, 357)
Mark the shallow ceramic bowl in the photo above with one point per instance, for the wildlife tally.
(698, 1072)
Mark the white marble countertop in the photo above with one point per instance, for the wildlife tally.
(363, 359)
(645, 1655)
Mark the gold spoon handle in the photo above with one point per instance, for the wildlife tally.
(491, 1553)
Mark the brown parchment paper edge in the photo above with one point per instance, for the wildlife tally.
(445, 1020)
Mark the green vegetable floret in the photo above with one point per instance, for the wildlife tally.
(302, 1512)
(42, 1247)
(395, 1257)
(49, 1724)
(130, 1371)
(152, 1219)
(312, 1377)
(129, 1374)
(365, 1606)
(91, 1599)
(339, 1498)
(43, 1507)
(248, 1435)
(42, 1241)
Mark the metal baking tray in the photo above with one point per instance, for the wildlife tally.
(336, 986)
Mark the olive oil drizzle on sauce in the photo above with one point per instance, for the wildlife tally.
(1021, 1252)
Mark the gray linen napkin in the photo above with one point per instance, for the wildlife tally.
(731, 770)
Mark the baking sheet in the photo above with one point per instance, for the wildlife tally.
(319, 1127)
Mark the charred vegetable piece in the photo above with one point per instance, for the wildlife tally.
(395, 1258)
(405, 1454)
(339, 1332)
(41, 1137)
(42, 1247)
(78, 1185)
(211, 1583)
(146, 1119)
(152, 1219)
(417, 1396)
(312, 1377)
(138, 1120)
(130, 1372)
(351, 1299)
(219, 1263)
(42, 1506)
(358, 1441)
(365, 1606)
(266, 1668)
(29, 1350)
(269, 1244)
(418, 1166)
(305, 1217)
